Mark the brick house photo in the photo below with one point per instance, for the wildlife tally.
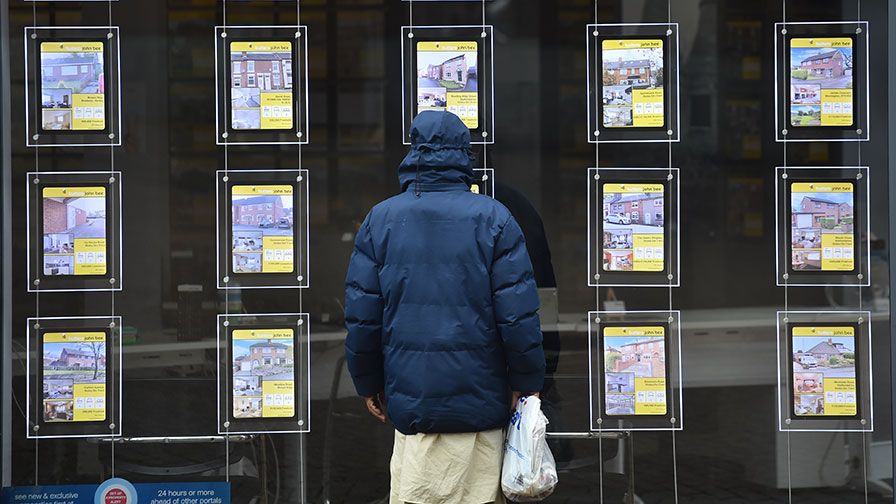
(826, 64)
(642, 208)
(268, 71)
(258, 210)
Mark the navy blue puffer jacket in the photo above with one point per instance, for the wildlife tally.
(440, 300)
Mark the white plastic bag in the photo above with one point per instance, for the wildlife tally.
(529, 473)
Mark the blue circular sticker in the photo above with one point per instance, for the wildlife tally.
(115, 491)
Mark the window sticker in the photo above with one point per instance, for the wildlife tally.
(261, 85)
(262, 229)
(633, 227)
(824, 371)
(822, 233)
(263, 373)
(635, 370)
(448, 79)
(74, 231)
(72, 86)
(633, 83)
(821, 81)
(74, 377)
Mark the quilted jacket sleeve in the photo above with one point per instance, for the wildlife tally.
(364, 316)
(515, 299)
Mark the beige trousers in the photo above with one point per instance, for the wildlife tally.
(447, 468)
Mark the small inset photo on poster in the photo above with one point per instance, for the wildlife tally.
(825, 371)
(822, 226)
(75, 244)
(262, 229)
(634, 369)
(821, 81)
(633, 93)
(74, 378)
(72, 87)
(263, 373)
(632, 79)
(633, 237)
(261, 85)
(449, 68)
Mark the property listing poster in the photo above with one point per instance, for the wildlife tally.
(824, 371)
(821, 81)
(448, 79)
(74, 377)
(264, 378)
(633, 223)
(262, 229)
(633, 80)
(261, 90)
(72, 86)
(635, 370)
(822, 226)
(74, 231)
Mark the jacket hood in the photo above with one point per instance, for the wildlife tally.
(440, 151)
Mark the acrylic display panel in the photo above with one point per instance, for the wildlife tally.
(633, 93)
(633, 227)
(263, 373)
(822, 226)
(73, 90)
(821, 81)
(484, 181)
(262, 229)
(261, 85)
(74, 231)
(824, 371)
(74, 377)
(449, 68)
(635, 370)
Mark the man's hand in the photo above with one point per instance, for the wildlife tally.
(376, 406)
(515, 398)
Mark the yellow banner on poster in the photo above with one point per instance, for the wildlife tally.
(824, 331)
(822, 187)
(90, 256)
(278, 399)
(821, 42)
(263, 334)
(71, 47)
(837, 252)
(90, 402)
(634, 331)
(633, 188)
(261, 46)
(75, 337)
(650, 396)
(276, 110)
(262, 190)
(648, 251)
(614, 44)
(278, 254)
(445, 46)
(465, 105)
(74, 192)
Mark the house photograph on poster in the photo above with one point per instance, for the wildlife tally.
(822, 226)
(821, 81)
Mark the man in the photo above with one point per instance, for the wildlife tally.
(442, 317)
